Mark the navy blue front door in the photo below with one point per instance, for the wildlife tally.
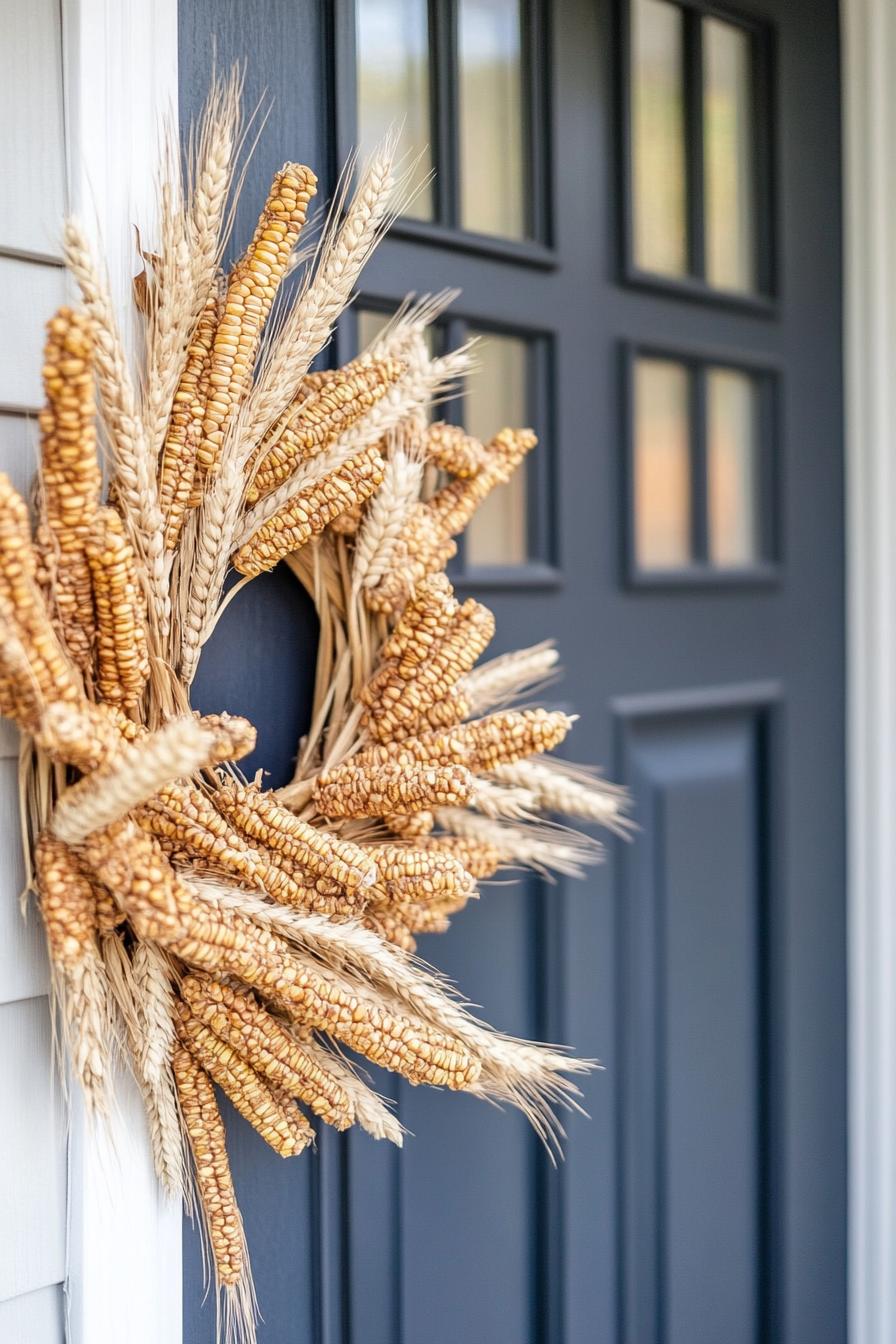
(666, 309)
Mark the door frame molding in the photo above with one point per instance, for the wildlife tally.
(868, 29)
(123, 1263)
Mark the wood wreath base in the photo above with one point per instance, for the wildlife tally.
(210, 930)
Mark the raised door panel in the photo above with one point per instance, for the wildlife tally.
(697, 1105)
(466, 1202)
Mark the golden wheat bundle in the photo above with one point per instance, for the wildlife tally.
(228, 935)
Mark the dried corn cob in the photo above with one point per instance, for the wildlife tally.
(228, 943)
(194, 835)
(122, 655)
(205, 1131)
(50, 669)
(251, 288)
(233, 736)
(68, 901)
(68, 904)
(453, 506)
(109, 914)
(178, 465)
(313, 382)
(389, 925)
(348, 523)
(281, 1124)
(431, 918)
(80, 734)
(371, 1112)
(447, 712)
(309, 511)
(137, 772)
(480, 859)
(481, 745)
(420, 1053)
(423, 622)
(130, 863)
(411, 825)
(321, 416)
(240, 1020)
(420, 872)
(70, 475)
(124, 728)
(451, 449)
(20, 697)
(411, 692)
(318, 852)
(352, 790)
(421, 550)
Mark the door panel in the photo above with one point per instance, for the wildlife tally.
(695, 1068)
(704, 1198)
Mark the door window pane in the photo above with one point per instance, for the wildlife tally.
(660, 230)
(728, 156)
(490, 97)
(731, 444)
(392, 45)
(496, 397)
(372, 322)
(662, 483)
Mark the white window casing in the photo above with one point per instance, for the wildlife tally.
(869, 110)
(124, 1237)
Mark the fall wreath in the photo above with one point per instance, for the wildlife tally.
(213, 931)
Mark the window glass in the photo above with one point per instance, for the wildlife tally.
(392, 46)
(370, 324)
(491, 107)
(497, 397)
(728, 156)
(731, 443)
(658, 148)
(662, 465)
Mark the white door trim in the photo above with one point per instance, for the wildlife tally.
(869, 108)
(124, 1239)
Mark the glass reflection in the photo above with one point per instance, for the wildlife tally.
(662, 465)
(392, 45)
(731, 442)
(728, 156)
(496, 396)
(658, 139)
(490, 98)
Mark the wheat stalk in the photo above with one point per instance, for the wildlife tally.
(574, 794)
(371, 1112)
(137, 772)
(541, 846)
(345, 248)
(386, 515)
(525, 1075)
(133, 462)
(509, 676)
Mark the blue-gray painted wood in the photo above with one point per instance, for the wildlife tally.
(467, 1233)
(262, 654)
(696, 1070)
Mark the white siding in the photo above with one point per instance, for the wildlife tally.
(33, 1317)
(33, 149)
(29, 292)
(32, 1141)
(32, 284)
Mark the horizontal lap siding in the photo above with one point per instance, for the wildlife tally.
(32, 284)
